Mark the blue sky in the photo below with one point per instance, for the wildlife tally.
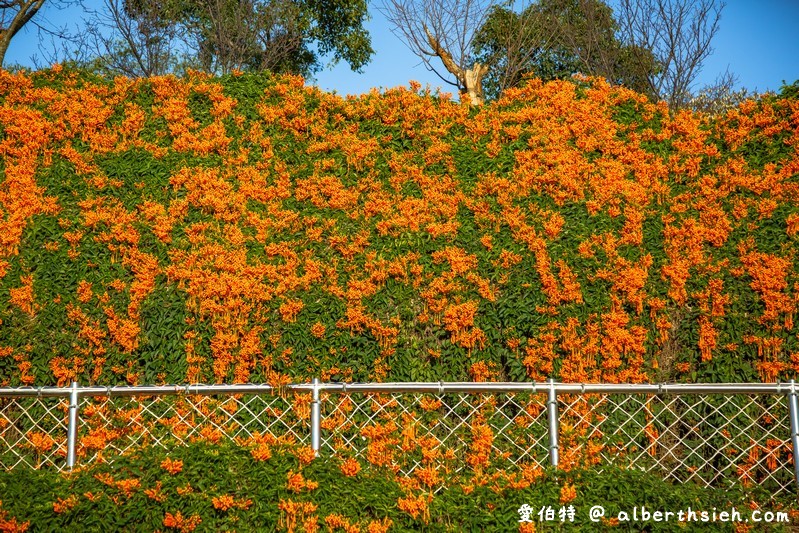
(757, 41)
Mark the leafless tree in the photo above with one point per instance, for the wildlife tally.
(14, 15)
(678, 33)
(55, 43)
(443, 30)
(225, 40)
(237, 34)
(133, 39)
(720, 96)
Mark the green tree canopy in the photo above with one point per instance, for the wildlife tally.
(219, 36)
(553, 39)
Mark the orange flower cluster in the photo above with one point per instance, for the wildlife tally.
(567, 493)
(65, 505)
(459, 321)
(227, 502)
(416, 506)
(392, 236)
(381, 439)
(172, 466)
(23, 297)
(350, 467)
(769, 279)
(41, 442)
(10, 523)
(297, 483)
(480, 450)
(181, 523)
(292, 513)
(337, 521)
(156, 493)
(577, 152)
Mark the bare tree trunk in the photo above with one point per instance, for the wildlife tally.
(444, 29)
(474, 83)
(470, 81)
(5, 40)
(26, 9)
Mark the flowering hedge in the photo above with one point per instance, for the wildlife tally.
(225, 488)
(256, 229)
(251, 228)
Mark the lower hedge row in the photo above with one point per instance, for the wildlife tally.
(225, 487)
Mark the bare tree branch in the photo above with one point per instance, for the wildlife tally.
(132, 40)
(679, 34)
(443, 30)
(13, 17)
(511, 42)
(241, 34)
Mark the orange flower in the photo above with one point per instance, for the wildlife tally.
(262, 452)
(184, 490)
(223, 503)
(379, 527)
(41, 442)
(707, 338)
(127, 486)
(480, 451)
(181, 523)
(306, 455)
(173, 466)
(427, 475)
(480, 371)
(567, 493)
(296, 483)
(350, 467)
(65, 505)
(292, 512)
(84, 291)
(23, 296)
(156, 493)
(124, 332)
(289, 310)
(318, 330)
(415, 506)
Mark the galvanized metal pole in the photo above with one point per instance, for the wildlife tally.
(552, 410)
(793, 408)
(72, 429)
(316, 416)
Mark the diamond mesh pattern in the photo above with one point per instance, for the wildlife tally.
(713, 440)
(112, 426)
(416, 433)
(33, 432)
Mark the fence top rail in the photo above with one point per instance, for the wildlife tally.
(442, 387)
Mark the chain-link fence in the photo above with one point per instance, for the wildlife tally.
(716, 435)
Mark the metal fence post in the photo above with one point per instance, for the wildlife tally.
(793, 408)
(315, 417)
(552, 410)
(72, 429)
